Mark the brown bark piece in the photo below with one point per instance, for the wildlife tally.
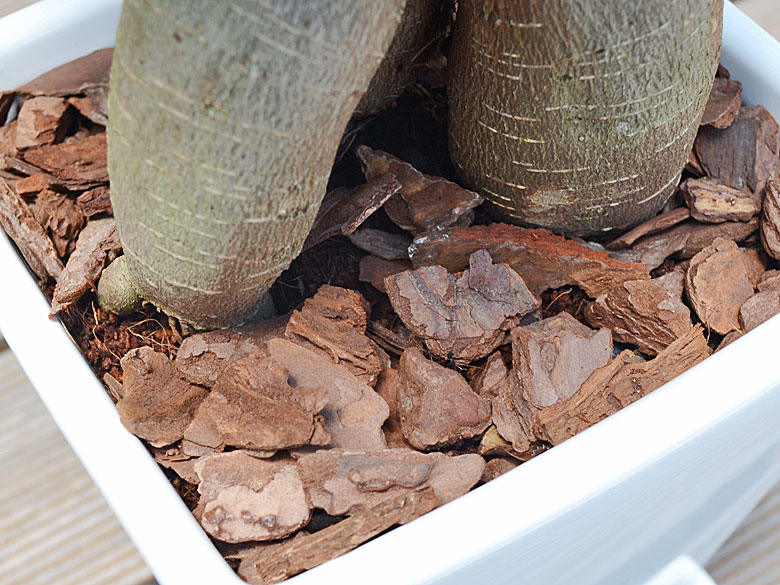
(61, 217)
(158, 402)
(248, 499)
(647, 313)
(204, 356)
(8, 142)
(555, 356)
(94, 106)
(652, 226)
(770, 280)
(374, 270)
(759, 308)
(542, 259)
(688, 239)
(81, 161)
(717, 284)
(346, 483)
(253, 406)
(21, 226)
(74, 77)
(755, 264)
(354, 413)
(382, 244)
(711, 202)
(425, 203)
(277, 562)
(497, 467)
(513, 420)
(387, 388)
(436, 405)
(770, 220)
(42, 120)
(745, 154)
(95, 201)
(33, 184)
(172, 457)
(343, 210)
(489, 379)
(97, 245)
(723, 104)
(618, 384)
(462, 318)
(333, 323)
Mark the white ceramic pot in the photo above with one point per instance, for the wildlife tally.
(671, 475)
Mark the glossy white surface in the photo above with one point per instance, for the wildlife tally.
(672, 474)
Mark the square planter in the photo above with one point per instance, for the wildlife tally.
(670, 475)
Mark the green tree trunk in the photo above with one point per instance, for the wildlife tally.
(578, 115)
(225, 118)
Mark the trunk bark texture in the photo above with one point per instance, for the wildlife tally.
(578, 115)
(225, 118)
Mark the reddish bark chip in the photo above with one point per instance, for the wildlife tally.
(770, 280)
(42, 120)
(425, 203)
(542, 259)
(382, 244)
(94, 106)
(253, 406)
(354, 413)
(723, 104)
(247, 499)
(717, 284)
(387, 388)
(489, 379)
(616, 385)
(744, 155)
(343, 210)
(32, 240)
(647, 313)
(203, 357)
(333, 323)
(555, 356)
(95, 201)
(33, 184)
(513, 417)
(497, 467)
(97, 245)
(711, 202)
(654, 225)
(770, 220)
(759, 308)
(60, 217)
(374, 270)
(436, 404)
(74, 77)
(158, 402)
(462, 318)
(755, 264)
(82, 162)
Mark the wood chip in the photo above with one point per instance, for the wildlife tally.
(354, 413)
(497, 467)
(42, 120)
(74, 77)
(81, 162)
(95, 201)
(94, 106)
(744, 155)
(555, 356)
(158, 402)
(770, 220)
(382, 244)
(513, 418)
(759, 308)
(97, 245)
(542, 259)
(32, 240)
(462, 318)
(770, 280)
(333, 324)
(277, 562)
(343, 210)
(617, 385)
(60, 217)
(717, 285)
(387, 388)
(374, 270)
(711, 202)
(248, 499)
(652, 226)
(253, 406)
(425, 203)
(436, 405)
(647, 313)
(723, 104)
(755, 264)
(490, 377)
(33, 185)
